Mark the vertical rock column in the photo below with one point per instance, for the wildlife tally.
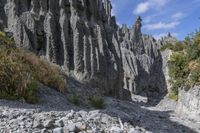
(65, 26)
(52, 33)
(77, 27)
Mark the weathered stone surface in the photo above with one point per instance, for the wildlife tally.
(83, 38)
(58, 130)
(189, 103)
(169, 39)
(166, 57)
(79, 35)
(142, 61)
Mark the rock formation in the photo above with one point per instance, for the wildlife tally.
(78, 35)
(169, 39)
(189, 103)
(83, 38)
(142, 61)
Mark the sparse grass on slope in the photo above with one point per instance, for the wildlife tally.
(20, 72)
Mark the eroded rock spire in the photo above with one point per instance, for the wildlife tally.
(136, 33)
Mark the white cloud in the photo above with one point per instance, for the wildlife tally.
(177, 15)
(143, 7)
(161, 25)
(159, 3)
(159, 36)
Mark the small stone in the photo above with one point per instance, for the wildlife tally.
(44, 130)
(49, 123)
(133, 130)
(71, 114)
(116, 130)
(58, 130)
(104, 120)
(73, 128)
(59, 123)
(37, 124)
(82, 127)
(65, 129)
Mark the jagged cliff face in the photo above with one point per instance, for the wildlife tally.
(76, 34)
(142, 61)
(83, 38)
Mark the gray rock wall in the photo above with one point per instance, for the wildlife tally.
(189, 103)
(166, 57)
(142, 61)
(76, 34)
(83, 38)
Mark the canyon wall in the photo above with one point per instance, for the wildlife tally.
(78, 35)
(142, 61)
(83, 38)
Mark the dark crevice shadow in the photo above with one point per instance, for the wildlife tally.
(154, 88)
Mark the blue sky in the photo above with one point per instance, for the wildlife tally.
(180, 17)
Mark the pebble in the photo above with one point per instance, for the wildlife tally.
(58, 130)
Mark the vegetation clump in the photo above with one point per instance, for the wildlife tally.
(74, 99)
(21, 71)
(97, 102)
(179, 46)
(184, 64)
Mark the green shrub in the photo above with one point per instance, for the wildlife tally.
(193, 51)
(97, 102)
(184, 64)
(176, 47)
(195, 76)
(178, 70)
(74, 99)
(15, 79)
(31, 93)
(167, 46)
(178, 65)
(197, 38)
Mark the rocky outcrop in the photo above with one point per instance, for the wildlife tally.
(166, 57)
(166, 53)
(189, 103)
(169, 39)
(142, 61)
(83, 38)
(79, 35)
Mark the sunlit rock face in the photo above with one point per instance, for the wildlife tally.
(189, 103)
(79, 35)
(166, 53)
(142, 61)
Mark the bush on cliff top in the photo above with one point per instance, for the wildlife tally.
(20, 71)
(176, 47)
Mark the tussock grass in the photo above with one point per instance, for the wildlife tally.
(97, 102)
(20, 72)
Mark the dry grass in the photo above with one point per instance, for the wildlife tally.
(192, 65)
(44, 72)
(20, 71)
